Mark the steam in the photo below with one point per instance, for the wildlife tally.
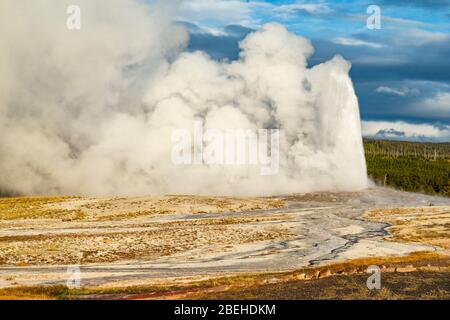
(92, 111)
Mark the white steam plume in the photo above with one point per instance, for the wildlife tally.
(92, 111)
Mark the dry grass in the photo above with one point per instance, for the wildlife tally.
(429, 225)
(122, 208)
(154, 240)
(122, 240)
(342, 280)
(35, 208)
(395, 286)
(429, 280)
(113, 209)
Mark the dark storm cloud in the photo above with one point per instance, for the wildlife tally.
(220, 47)
(423, 68)
(390, 132)
(427, 62)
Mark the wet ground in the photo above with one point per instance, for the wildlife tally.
(308, 230)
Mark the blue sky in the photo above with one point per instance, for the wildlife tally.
(401, 72)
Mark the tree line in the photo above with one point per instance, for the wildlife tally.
(409, 166)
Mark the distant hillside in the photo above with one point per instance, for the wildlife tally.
(409, 166)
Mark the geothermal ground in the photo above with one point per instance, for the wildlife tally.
(185, 242)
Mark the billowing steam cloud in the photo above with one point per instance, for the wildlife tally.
(92, 111)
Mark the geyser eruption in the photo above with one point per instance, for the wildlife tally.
(93, 111)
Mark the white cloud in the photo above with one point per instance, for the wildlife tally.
(356, 42)
(417, 37)
(378, 60)
(438, 104)
(421, 37)
(405, 131)
(441, 101)
(312, 8)
(221, 11)
(398, 92)
(398, 21)
(403, 21)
